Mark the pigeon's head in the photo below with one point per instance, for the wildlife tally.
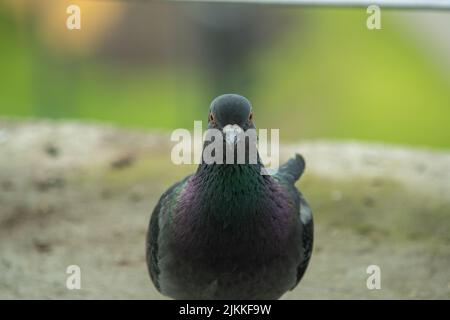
(230, 109)
(232, 114)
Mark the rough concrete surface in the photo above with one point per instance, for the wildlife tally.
(73, 193)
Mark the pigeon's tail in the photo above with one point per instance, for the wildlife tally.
(292, 170)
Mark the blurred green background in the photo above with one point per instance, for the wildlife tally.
(313, 73)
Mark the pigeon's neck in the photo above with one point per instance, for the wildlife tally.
(231, 187)
(231, 170)
(235, 198)
(230, 176)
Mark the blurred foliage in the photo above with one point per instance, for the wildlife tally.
(327, 76)
(345, 81)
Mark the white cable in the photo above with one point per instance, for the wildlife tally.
(400, 4)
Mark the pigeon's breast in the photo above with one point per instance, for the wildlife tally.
(238, 221)
(245, 249)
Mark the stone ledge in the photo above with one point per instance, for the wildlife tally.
(78, 193)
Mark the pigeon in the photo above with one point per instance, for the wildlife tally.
(229, 232)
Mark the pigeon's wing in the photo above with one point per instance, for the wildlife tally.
(152, 245)
(292, 170)
(307, 237)
(287, 175)
(165, 204)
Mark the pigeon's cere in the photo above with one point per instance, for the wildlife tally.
(227, 231)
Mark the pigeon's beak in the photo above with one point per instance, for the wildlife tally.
(232, 133)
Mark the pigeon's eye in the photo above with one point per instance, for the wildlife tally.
(250, 116)
(211, 117)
